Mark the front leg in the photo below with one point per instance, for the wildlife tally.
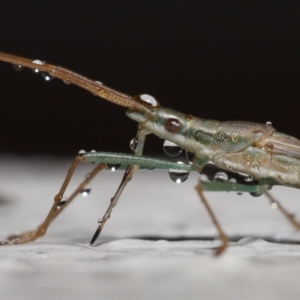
(60, 203)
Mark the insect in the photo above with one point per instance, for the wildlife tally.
(232, 156)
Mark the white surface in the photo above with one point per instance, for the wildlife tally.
(123, 266)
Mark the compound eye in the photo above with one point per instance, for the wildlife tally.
(172, 125)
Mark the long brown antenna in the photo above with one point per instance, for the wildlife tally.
(71, 77)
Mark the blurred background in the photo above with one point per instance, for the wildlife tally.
(224, 60)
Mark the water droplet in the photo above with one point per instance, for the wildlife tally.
(171, 149)
(17, 67)
(149, 99)
(221, 177)
(274, 205)
(63, 200)
(37, 62)
(133, 143)
(99, 221)
(255, 194)
(66, 82)
(249, 178)
(232, 180)
(269, 123)
(81, 152)
(113, 167)
(85, 192)
(190, 157)
(204, 178)
(178, 176)
(151, 168)
(99, 83)
(47, 76)
(240, 193)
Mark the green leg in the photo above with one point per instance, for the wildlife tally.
(134, 162)
(224, 186)
(233, 187)
(143, 162)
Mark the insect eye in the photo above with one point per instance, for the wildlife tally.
(172, 125)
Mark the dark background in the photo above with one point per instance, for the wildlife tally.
(225, 60)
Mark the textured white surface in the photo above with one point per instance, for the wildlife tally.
(125, 265)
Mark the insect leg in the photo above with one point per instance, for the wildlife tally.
(290, 217)
(137, 150)
(57, 207)
(113, 202)
(222, 235)
(135, 163)
(103, 158)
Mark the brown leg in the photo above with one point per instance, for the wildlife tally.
(289, 216)
(137, 150)
(114, 200)
(57, 207)
(222, 235)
